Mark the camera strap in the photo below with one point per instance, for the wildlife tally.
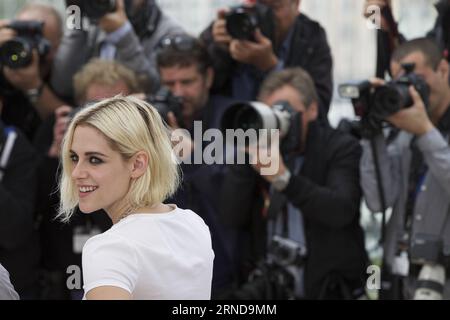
(6, 150)
(417, 172)
(279, 204)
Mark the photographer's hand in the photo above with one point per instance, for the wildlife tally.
(267, 160)
(59, 129)
(113, 21)
(414, 119)
(259, 53)
(219, 30)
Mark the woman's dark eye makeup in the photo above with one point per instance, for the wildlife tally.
(92, 159)
(95, 160)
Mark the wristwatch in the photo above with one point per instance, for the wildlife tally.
(34, 94)
(280, 182)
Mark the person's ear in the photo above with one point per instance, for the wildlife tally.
(443, 69)
(312, 112)
(139, 164)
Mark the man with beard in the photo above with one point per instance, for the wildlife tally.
(185, 69)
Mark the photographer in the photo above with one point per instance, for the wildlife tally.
(185, 69)
(29, 98)
(283, 38)
(314, 196)
(415, 168)
(130, 35)
(19, 248)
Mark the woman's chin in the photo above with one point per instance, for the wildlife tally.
(86, 209)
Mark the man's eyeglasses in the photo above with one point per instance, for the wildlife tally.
(178, 42)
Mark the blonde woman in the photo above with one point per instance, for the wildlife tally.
(117, 156)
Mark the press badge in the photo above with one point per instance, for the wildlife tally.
(401, 264)
(81, 235)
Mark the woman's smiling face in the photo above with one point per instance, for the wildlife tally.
(101, 175)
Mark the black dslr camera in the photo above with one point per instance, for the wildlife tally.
(164, 102)
(286, 252)
(257, 115)
(277, 276)
(242, 21)
(373, 105)
(18, 52)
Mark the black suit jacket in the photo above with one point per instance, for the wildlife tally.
(328, 194)
(19, 248)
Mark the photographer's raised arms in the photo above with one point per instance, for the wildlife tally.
(129, 34)
(267, 36)
(28, 45)
(414, 172)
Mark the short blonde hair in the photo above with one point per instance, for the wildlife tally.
(103, 72)
(129, 125)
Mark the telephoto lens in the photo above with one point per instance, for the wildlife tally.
(430, 284)
(18, 52)
(164, 102)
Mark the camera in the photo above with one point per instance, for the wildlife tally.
(425, 248)
(286, 251)
(278, 276)
(18, 52)
(164, 102)
(430, 283)
(242, 21)
(373, 105)
(257, 115)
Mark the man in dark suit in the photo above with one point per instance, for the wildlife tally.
(315, 193)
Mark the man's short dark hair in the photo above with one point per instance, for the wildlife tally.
(429, 48)
(183, 51)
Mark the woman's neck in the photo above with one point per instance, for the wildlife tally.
(156, 208)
